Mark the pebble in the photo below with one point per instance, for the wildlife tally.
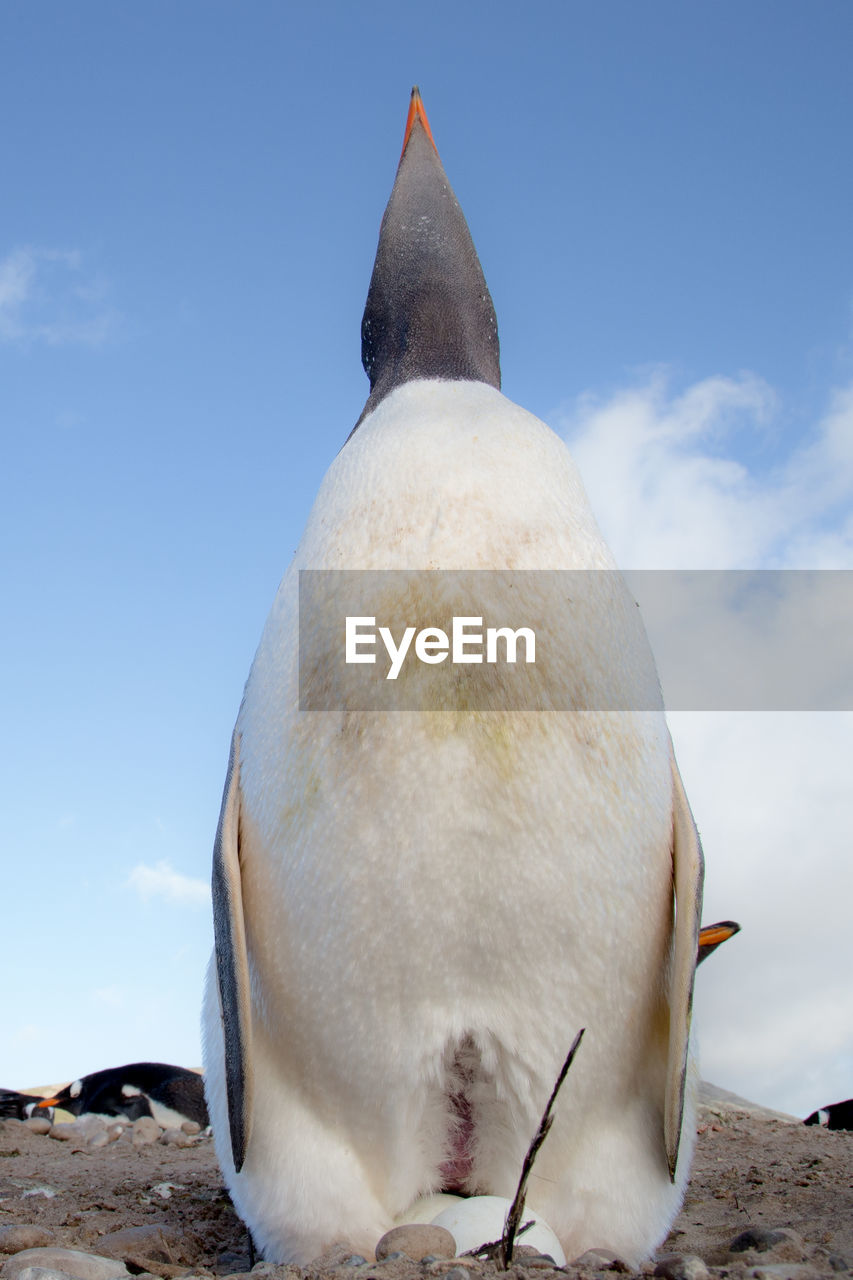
(780, 1240)
(175, 1138)
(14, 1237)
(597, 1259)
(416, 1240)
(681, 1266)
(456, 1273)
(156, 1242)
(38, 1124)
(145, 1130)
(191, 1127)
(87, 1130)
(783, 1271)
(43, 1273)
(71, 1262)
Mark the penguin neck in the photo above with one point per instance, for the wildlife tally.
(429, 313)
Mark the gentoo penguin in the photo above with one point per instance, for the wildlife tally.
(416, 911)
(712, 936)
(18, 1106)
(838, 1115)
(170, 1094)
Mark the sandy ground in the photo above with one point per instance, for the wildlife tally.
(751, 1170)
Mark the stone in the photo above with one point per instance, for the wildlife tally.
(145, 1130)
(456, 1273)
(43, 1273)
(596, 1260)
(175, 1138)
(191, 1127)
(416, 1240)
(783, 1271)
(71, 1262)
(82, 1130)
(681, 1266)
(38, 1124)
(14, 1237)
(782, 1241)
(153, 1244)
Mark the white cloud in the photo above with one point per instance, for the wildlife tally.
(163, 881)
(47, 296)
(670, 491)
(771, 792)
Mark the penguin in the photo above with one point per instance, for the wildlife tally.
(416, 911)
(170, 1094)
(837, 1115)
(19, 1106)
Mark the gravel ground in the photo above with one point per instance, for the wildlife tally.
(781, 1193)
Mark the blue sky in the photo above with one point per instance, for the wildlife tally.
(660, 195)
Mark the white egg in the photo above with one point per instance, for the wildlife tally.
(481, 1219)
(427, 1207)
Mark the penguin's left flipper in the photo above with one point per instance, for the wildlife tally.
(232, 962)
(688, 871)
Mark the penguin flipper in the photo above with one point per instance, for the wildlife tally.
(688, 870)
(232, 961)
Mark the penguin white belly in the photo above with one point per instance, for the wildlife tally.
(436, 902)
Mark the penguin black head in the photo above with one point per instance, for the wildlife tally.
(429, 313)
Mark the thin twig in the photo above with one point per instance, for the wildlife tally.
(514, 1216)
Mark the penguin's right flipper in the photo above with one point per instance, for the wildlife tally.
(232, 962)
(688, 872)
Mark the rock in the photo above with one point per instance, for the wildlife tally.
(43, 1273)
(145, 1130)
(15, 1237)
(354, 1260)
(38, 1124)
(783, 1271)
(595, 1259)
(176, 1138)
(681, 1266)
(456, 1273)
(145, 1247)
(84, 1130)
(71, 1262)
(783, 1242)
(190, 1127)
(416, 1240)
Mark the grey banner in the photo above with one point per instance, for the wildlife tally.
(513, 640)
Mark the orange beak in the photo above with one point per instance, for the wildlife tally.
(417, 112)
(712, 935)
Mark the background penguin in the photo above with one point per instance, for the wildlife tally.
(19, 1106)
(415, 913)
(838, 1115)
(170, 1094)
